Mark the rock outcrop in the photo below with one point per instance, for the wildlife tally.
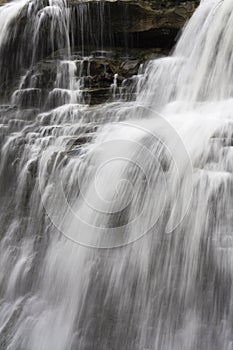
(137, 23)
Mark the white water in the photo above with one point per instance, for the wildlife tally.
(7, 14)
(157, 186)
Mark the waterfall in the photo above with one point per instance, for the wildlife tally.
(116, 219)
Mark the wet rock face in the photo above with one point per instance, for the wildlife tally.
(128, 31)
(127, 23)
(137, 23)
(96, 74)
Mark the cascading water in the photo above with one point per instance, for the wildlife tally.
(116, 220)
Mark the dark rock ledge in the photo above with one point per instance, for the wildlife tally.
(142, 23)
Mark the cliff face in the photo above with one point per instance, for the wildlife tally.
(132, 23)
(143, 24)
(116, 36)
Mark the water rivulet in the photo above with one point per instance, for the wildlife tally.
(116, 219)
